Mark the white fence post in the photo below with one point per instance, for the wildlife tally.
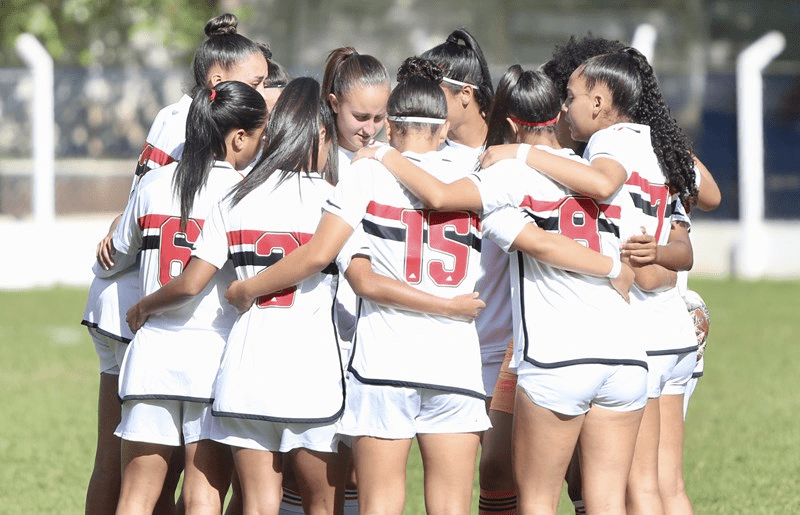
(644, 40)
(751, 256)
(43, 138)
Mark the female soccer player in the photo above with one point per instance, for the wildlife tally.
(225, 55)
(167, 374)
(609, 99)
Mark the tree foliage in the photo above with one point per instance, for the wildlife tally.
(107, 32)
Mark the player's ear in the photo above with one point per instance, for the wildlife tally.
(334, 102)
(238, 140)
(443, 130)
(513, 126)
(388, 128)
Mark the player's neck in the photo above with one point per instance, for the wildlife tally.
(419, 144)
(547, 138)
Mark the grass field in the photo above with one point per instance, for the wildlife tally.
(743, 429)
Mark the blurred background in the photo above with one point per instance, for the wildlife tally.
(118, 62)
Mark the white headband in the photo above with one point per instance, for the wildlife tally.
(416, 119)
(458, 82)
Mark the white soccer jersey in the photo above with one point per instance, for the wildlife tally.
(437, 252)
(494, 321)
(110, 298)
(164, 143)
(560, 318)
(646, 202)
(282, 360)
(176, 353)
(346, 299)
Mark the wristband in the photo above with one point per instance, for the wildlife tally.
(522, 152)
(616, 269)
(382, 150)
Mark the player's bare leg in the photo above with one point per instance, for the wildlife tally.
(144, 467)
(260, 474)
(235, 505)
(381, 474)
(543, 442)
(670, 457)
(495, 474)
(167, 505)
(575, 482)
(643, 496)
(102, 494)
(448, 461)
(606, 451)
(207, 476)
(320, 479)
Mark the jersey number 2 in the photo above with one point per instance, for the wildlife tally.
(275, 246)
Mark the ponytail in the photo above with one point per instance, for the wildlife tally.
(636, 95)
(461, 59)
(529, 98)
(214, 113)
(293, 129)
(346, 68)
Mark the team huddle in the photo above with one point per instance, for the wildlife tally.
(285, 302)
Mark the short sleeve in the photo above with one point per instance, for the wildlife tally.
(128, 235)
(212, 245)
(495, 184)
(353, 193)
(608, 143)
(357, 245)
(503, 226)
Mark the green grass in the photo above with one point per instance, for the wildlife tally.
(743, 429)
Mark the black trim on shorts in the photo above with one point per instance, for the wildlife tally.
(288, 420)
(588, 361)
(412, 384)
(92, 325)
(669, 352)
(165, 397)
(697, 375)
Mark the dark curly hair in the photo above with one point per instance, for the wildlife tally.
(567, 58)
(637, 96)
(529, 96)
(417, 94)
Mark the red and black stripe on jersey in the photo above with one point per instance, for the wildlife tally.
(157, 227)
(247, 247)
(573, 216)
(376, 212)
(151, 154)
(653, 200)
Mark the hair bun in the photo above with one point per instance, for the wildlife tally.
(419, 67)
(452, 39)
(222, 25)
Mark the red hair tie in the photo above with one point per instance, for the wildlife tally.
(534, 124)
(213, 94)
